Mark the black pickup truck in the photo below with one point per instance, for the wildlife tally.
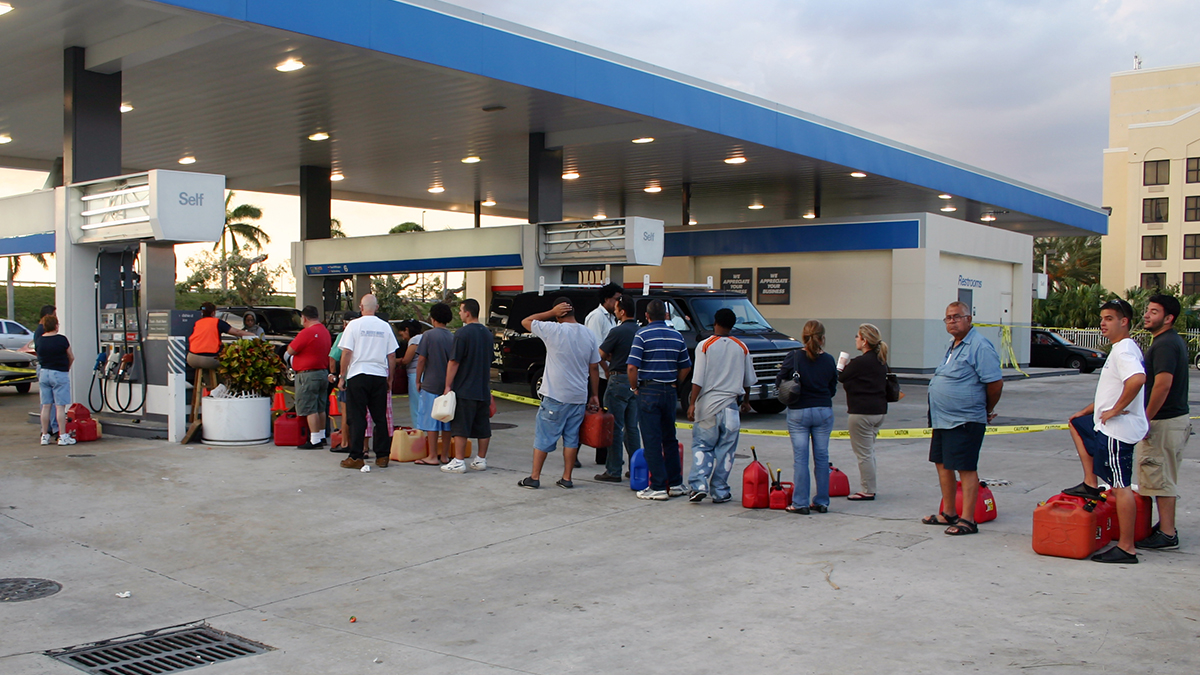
(521, 357)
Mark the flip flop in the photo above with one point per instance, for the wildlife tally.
(422, 462)
(861, 497)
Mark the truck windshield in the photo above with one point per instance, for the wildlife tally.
(747, 315)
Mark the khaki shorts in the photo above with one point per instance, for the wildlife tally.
(1158, 457)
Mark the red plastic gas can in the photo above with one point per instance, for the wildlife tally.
(755, 483)
(782, 496)
(1142, 524)
(290, 429)
(1106, 519)
(78, 411)
(1066, 526)
(596, 430)
(839, 482)
(985, 505)
(83, 429)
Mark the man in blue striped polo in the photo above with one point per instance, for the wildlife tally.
(657, 361)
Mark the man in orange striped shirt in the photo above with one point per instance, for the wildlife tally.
(724, 372)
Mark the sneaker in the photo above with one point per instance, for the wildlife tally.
(1083, 490)
(607, 478)
(351, 463)
(564, 483)
(455, 466)
(1115, 555)
(656, 495)
(478, 464)
(529, 483)
(309, 445)
(722, 500)
(698, 496)
(381, 462)
(1160, 541)
(45, 439)
(676, 491)
(66, 439)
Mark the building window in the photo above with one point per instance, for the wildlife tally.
(1191, 246)
(1191, 283)
(1193, 170)
(1157, 172)
(1153, 281)
(1191, 208)
(1154, 247)
(1154, 210)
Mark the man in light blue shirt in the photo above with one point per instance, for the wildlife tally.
(962, 399)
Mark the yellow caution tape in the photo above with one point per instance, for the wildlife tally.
(12, 369)
(513, 397)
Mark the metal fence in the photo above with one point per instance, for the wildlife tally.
(1092, 339)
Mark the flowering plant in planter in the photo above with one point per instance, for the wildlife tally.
(250, 368)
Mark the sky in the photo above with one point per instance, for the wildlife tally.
(1019, 88)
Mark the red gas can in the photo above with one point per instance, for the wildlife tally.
(78, 411)
(290, 429)
(781, 496)
(985, 505)
(1142, 524)
(83, 429)
(1106, 519)
(597, 429)
(755, 483)
(839, 482)
(1065, 526)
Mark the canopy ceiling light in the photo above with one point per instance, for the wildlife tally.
(645, 139)
(471, 160)
(187, 160)
(945, 196)
(489, 202)
(987, 217)
(570, 175)
(857, 174)
(949, 208)
(290, 65)
(5, 138)
(735, 160)
(336, 175)
(319, 136)
(5, 8)
(652, 188)
(437, 189)
(755, 207)
(125, 107)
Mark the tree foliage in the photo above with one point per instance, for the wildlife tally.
(406, 227)
(250, 281)
(335, 229)
(236, 226)
(1075, 260)
(1076, 305)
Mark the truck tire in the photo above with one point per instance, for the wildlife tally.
(767, 407)
(535, 382)
(23, 388)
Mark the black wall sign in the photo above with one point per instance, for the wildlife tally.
(774, 285)
(737, 279)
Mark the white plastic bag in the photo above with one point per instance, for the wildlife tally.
(443, 407)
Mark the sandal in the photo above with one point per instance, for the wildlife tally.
(963, 526)
(424, 461)
(861, 497)
(950, 519)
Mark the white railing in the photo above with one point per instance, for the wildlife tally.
(1092, 339)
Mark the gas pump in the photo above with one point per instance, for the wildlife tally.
(120, 371)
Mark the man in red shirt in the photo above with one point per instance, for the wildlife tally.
(309, 352)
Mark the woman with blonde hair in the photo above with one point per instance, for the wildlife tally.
(810, 418)
(865, 380)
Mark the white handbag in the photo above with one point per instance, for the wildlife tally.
(443, 407)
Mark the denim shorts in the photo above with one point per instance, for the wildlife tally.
(55, 387)
(555, 420)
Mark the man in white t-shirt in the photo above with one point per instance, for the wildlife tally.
(368, 360)
(1106, 432)
(724, 372)
(600, 321)
(569, 386)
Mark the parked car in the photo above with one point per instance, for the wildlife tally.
(521, 357)
(1048, 349)
(16, 359)
(276, 321)
(13, 335)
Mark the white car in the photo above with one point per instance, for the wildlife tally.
(13, 335)
(20, 377)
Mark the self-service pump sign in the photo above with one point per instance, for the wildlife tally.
(159, 205)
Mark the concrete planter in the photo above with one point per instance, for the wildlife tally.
(236, 421)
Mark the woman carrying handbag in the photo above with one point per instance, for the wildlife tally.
(865, 380)
(810, 418)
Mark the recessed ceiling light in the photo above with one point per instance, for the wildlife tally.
(290, 65)
(987, 217)
(755, 207)
(470, 160)
(949, 208)
(5, 138)
(943, 196)
(489, 202)
(570, 175)
(645, 139)
(319, 136)
(810, 215)
(187, 160)
(692, 221)
(125, 107)
(437, 189)
(599, 216)
(336, 175)
(735, 160)
(858, 174)
(652, 188)
(5, 8)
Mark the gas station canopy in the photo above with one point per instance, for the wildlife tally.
(428, 105)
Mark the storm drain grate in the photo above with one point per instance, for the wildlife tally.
(155, 652)
(21, 589)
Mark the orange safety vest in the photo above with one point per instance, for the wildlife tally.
(206, 337)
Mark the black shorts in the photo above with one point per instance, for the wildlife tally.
(957, 449)
(471, 419)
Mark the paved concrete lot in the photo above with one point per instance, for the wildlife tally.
(471, 574)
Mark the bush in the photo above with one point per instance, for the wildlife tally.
(250, 368)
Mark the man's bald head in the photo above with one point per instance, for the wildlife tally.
(369, 304)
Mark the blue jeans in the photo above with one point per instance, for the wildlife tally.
(817, 424)
(712, 452)
(622, 405)
(656, 404)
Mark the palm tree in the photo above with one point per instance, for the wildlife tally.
(335, 229)
(236, 226)
(14, 267)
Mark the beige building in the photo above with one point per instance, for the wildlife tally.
(1152, 180)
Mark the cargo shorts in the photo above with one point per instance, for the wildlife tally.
(1158, 456)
